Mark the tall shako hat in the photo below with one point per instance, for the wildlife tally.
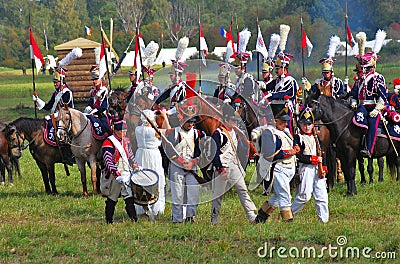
(283, 59)
(178, 66)
(60, 71)
(94, 71)
(306, 116)
(280, 111)
(120, 125)
(361, 41)
(327, 63)
(224, 69)
(369, 59)
(242, 56)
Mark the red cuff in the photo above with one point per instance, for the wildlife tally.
(223, 170)
(180, 160)
(325, 168)
(314, 160)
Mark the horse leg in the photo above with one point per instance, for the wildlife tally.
(349, 174)
(82, 170)
(93, 168)
(381, 163)
(45, 177)
(2, 172)
(52, 178)
(370, 169)
(9, 172)
(15, 162)
(361, 169)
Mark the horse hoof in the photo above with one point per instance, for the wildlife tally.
(349, 194)
(380, 180)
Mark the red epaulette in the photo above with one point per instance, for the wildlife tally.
(107, 143)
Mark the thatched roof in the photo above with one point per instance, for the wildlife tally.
(79, 42)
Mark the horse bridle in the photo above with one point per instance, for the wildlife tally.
(18, 145)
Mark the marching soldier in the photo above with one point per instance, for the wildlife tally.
(185, 139)
(311, 171)
(98, 101)
(228, 169)
(118, 163)
(278, 151)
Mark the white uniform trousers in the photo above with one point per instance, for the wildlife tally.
(281, 185)
(311, 184)
(184, 191)
(221, 186)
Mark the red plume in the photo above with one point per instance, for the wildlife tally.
(191, 82)
(396, 81)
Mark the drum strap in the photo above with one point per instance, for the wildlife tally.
(120, 149)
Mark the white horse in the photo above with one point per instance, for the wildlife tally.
(74, 128)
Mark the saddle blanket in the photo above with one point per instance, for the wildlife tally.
(49, 136)
(360, 120)
(98, 130)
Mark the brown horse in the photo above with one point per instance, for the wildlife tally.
(45, 155)
(10, 147)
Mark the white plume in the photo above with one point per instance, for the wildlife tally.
(244, 37)
(182, 45)
(361, 40)
(72, 55)
(379, 38)
(334, 43)
(150, 53)
(284, 32)
(273, 45)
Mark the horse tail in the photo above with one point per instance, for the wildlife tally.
(331, 164)
(391, 164)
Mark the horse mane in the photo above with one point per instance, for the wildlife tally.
(119, 89)
(28, 125)
(341, 103)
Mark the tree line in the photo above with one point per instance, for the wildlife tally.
(165, 21)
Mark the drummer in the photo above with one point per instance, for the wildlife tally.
(119, 161)
(182, 181)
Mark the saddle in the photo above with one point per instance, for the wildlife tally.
(48, 135)
(99, 132)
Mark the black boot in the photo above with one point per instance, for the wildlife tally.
(110, 208)
(66, 154)
(130, 209)
(262, 216)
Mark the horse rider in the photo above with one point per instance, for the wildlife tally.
(225, 89)
(147, 87)
(285, 87)
(245, 83)
(62, 95)
(267, 84)
(134, 83)
(228, 169)
(119, 161)
(176, 91)
(98, 101)
(371, 97)
(311, 170)
(329, 84)
(184, 186)
(278, 157)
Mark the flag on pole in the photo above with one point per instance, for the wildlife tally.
(35, 53)
(139, 46)
(350, 38)
(260, 45)
(88, 31)
(223, 32)
(305, 42)
(102, 63)
(230, 48)
(203, 47)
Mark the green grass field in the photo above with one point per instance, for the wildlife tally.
(40, 228)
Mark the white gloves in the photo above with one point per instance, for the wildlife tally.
(346, 81)
(353, 103)
(171, 111)
(227, 101)
(265, 98)
(39, 102)
(306, 83)
(120, 179)
(374, 113)
(87, 110)
(262, 85)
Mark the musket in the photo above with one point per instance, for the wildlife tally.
(123, 57)
(169, 145)
(319, 153)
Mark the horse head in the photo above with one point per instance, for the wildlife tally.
(64, 125)
(14, 140)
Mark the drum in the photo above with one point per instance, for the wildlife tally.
(144, 184)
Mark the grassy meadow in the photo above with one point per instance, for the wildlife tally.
(40, 228)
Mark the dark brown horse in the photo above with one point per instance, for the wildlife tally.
(45, 155)
(10, 148)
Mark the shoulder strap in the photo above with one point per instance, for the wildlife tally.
(120, 148)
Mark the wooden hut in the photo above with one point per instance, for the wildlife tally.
(78, 76)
